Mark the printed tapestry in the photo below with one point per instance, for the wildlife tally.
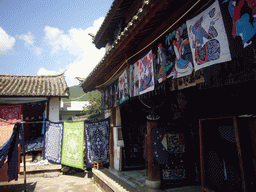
(73, 144)
(146, 78)
(9, 151)
(208, 38)
(33, 144)
(179, 60)
(123, 87)
(134, 79)
(115, 92)
(5, 133)
(106, 99)
(159, 149)
(10, 113)
(240, 20)
(110, 95)
(97, 141)
(53, 142)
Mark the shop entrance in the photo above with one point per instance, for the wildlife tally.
(226, 154)
(134, 127)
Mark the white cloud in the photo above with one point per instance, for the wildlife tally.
(43, 71)
(29, 39)
(6, 42)
(78, 43)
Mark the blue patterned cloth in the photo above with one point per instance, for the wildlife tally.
(33, 144)
(10, 149)
(53, 142)
(97, 142)
(159, 151)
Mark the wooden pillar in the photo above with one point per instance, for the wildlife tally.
(153, 167)
(111, 143)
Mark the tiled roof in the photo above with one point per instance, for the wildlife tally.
(127, 30)
(116, 12)
(33, 86)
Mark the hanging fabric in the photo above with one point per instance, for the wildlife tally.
(43, 126)
(208, 39)
(134, 79)
(146, 77)
(97, 141)
(53, 142)
(10, 150)
(5, 133)
(123, 87)
(73, 144)
(34, 144)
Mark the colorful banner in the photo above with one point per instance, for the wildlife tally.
(9, 151)
(10, 113)
(73, 144)
(146, 77)
(208, 39)
(241, 21)
(97, 142)
(123, 87)
(115, 90)
(5, 133)
(53, 142)
(134, 79)
(160, 60)
(179, 62)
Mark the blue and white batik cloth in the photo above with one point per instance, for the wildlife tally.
(97, 142)
(53, 141)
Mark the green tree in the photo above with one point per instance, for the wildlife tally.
(95, 106)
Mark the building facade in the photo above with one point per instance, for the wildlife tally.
(178, 80)
(32, 100)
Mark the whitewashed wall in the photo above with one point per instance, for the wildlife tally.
(54, 108)
(118, 144)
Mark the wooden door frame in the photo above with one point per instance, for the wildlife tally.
(203, 186)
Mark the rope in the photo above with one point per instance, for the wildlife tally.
(35, 121)
(126, 61)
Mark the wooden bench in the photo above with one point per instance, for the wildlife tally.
(98, 165)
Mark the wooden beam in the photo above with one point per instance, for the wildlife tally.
(123, 46)
(239, 152)
(109, 20)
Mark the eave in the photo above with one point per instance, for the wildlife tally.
(140, 35)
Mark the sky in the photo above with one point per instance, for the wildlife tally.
(48, 37)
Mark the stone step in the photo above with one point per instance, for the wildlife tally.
(38, 168)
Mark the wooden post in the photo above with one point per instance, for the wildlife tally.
(239, 152)
(24, 157)
(153, 167)
(201, 154)
(112, 125)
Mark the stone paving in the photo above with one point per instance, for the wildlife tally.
(79, 182)
(135, 181)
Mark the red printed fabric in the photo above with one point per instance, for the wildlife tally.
(10, 113)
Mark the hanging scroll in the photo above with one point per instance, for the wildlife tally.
(123, 87)
(146, 77)
(134, 79)
(179, 60)
(208, 39)
(97, 142)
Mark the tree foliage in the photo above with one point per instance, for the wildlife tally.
(95, 106)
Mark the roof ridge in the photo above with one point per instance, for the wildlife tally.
(21, 75)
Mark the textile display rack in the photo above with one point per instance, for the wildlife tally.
(24, 154)
(24, 141)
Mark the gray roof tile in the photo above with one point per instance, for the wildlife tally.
(33, 86)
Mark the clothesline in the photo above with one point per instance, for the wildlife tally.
(34, 121)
